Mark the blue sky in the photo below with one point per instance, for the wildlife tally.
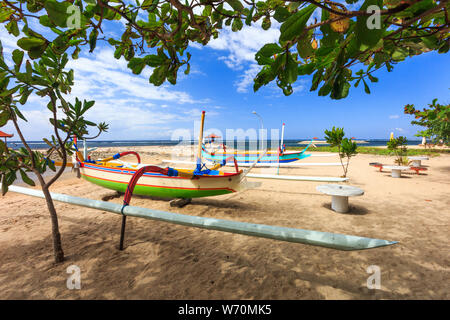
(221, 83)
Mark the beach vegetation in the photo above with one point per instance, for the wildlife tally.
(346, 148)
(399, 147)
(436, 120)
(432, 152)
(334, 45)
(50, 80)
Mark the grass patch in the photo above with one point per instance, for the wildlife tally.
(378, 151)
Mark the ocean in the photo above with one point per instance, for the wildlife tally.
(129, 143)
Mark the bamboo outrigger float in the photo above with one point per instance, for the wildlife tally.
(316, 238)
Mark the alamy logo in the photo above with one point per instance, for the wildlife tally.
(74, 19)
(374, 281)
(374, 20)
(74, 280)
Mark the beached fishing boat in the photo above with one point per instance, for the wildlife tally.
(150, 180)
(279, 156)
(162, 182)
(252, 156)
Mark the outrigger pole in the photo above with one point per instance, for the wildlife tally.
(316, 238)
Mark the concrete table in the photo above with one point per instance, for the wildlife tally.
(417, 161)
(339, 195)
(396, 171)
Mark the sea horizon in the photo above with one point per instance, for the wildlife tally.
(168, 142)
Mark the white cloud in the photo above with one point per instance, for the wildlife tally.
(103, 75)
(241, 46)
(245, 80)
(127, 102)
(394, 116)
(400, 129)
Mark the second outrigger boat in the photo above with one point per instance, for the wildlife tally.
(279, 156)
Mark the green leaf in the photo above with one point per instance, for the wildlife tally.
(154, 60)
(295, 24)
(136, 65)
(248, 20)
(400, 54)
(24, 97)
(281, 14)
(268, 50)
(51, 165)
(264, 55)
(366, 87)
(45, 21)
(75, 53)
(159, 75)
(316, 80)
(26, 179)
(291, 70)
(4, 117)
(237, 25)
(13, 28)
(304, 47)
(149, 5)
(29, 69)
(340, 89)
(17, 56)
(306, 69)
(325, 90)
(57, 12)
(372, 78)
(2, 149)
(263, 77)
(266, 23)
(93, 39)
(279, 63)
(3, 183)
(30, 43)
(235, 4)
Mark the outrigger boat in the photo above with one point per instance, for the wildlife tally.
(252, 156)
(117, 175)
(279, 156)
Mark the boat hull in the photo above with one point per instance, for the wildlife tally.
(250, 157)
(159, 185)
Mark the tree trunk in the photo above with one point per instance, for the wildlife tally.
(57, 246)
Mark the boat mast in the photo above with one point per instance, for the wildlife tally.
(282, 136)
(200, 141)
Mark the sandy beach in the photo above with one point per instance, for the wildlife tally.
(166, 261)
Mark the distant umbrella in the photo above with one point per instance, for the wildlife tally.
(5, 135)
(212, 137)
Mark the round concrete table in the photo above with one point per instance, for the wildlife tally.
(396, 171)
(339, 195)
(417, 161)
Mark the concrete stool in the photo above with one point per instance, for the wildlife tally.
(339, 195)
(417, 161)
(396, 170)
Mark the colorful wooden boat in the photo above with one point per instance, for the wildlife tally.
(166, 182)
(242, 157)
(252, 156)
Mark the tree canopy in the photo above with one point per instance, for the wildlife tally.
(339, 43)
(435, 118)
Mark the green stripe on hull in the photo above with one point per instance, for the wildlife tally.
(157, 191)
